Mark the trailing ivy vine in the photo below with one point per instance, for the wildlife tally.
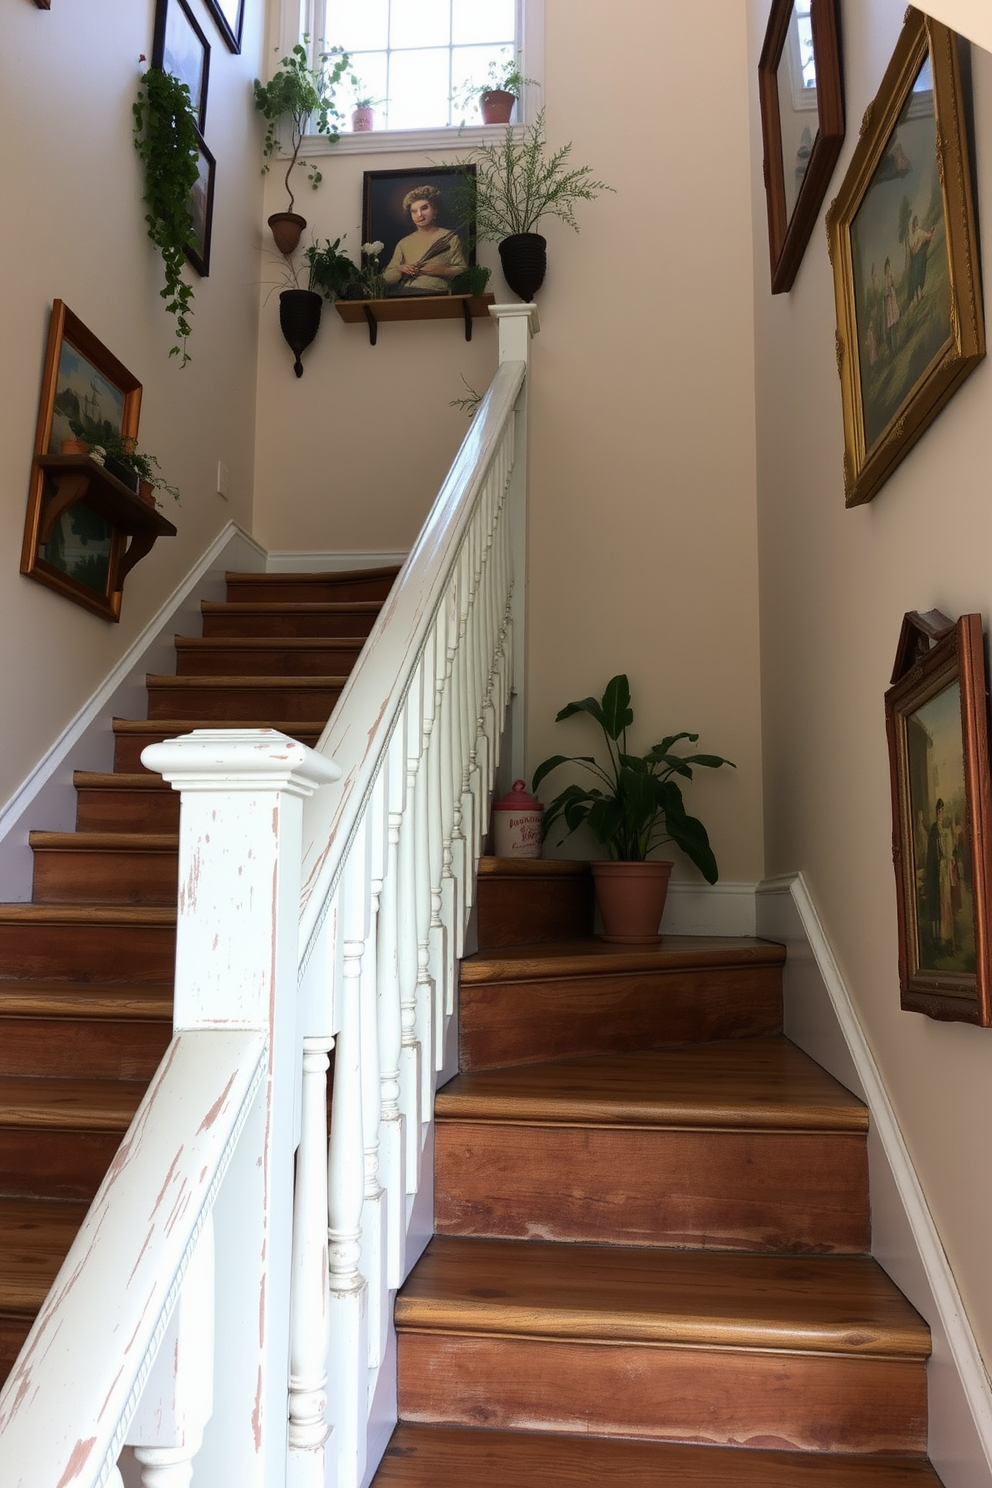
(166, 139)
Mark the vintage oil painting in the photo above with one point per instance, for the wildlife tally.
(900, 261)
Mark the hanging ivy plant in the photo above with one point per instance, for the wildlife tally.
(166, 139)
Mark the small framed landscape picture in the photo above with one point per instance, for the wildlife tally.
(910, 324)
(936, 720)
(181, 48)
(423, 221)
(201, 208)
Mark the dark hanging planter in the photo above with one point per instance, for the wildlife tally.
(299, 317)
(525, 260)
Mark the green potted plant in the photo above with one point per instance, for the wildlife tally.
(515, 184)
(498, 91)
(298, 93)
(120, 456)
(363, 113)
(167, 141)
(329, 271)
(635, 807)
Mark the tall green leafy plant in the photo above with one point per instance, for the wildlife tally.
(641, 807)
(518, 181)
(298, 92)
(167, 141)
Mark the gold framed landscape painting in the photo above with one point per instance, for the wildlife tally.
(937, 731)
(904, 250)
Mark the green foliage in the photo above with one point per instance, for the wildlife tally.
(472, 280)
(330, 270)
(517, 182)
(502, 76)
(166, 139)
(640, 798)
(124, 448)
(469, 405)
(299, 92)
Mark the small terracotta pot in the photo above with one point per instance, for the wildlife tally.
(631, 899)
(146, 492)
(287, 229)
(496, 106)
(362, 120)
(74, 447)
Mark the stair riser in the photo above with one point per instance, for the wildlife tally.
(526, 1022)
(307, 705)
(273, 661)
(55, 1164)
(82, 1048)
(127, 810)
(116, 953)
(807, 1402)
(66, 877)
(336, 626)
(723, 1190)
(523, 911)
(291, 589)
(128, 747)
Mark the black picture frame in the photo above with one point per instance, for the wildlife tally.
(799, 154)
(229, 18)
(202, 213)
(180, 47)
(387, 221)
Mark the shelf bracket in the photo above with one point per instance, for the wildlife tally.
(373, 325)
(466, 312)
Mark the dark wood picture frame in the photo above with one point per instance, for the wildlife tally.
(79, 515)
(202, 213)
(795, 188)
(229, 17)
(908, 335)
(386, 220)
(180, 47)
(936, 715)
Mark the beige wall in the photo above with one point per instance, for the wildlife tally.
(834, 587)
(642, 553)
(74, 230)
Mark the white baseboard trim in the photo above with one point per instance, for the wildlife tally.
(821, 1018)
(288, 562)
(86, 743)
(709, 909)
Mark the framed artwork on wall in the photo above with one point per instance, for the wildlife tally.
(419, 217)
(202, 213)
(230, 18)
(802, 124)
(181, 48)
(936, 722)
(910, 324)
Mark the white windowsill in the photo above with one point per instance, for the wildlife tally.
(390, 141)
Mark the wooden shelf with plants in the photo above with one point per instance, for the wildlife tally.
(415, 307)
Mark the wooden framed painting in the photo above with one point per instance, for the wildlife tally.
(910, 324)
(181, 48)
(230, 18)
(419, 218)
(79, 515)
(201, 207)
(936, 716)
(802, 124)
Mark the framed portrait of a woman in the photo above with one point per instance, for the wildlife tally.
(420, 218)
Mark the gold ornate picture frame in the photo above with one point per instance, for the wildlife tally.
(904, 250)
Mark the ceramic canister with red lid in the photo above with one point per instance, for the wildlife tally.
(517, 823)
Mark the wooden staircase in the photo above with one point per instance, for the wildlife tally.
(650, 1263)
(86, 968)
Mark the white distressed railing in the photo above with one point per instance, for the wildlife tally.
(227, 1319)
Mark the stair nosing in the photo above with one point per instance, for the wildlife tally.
(553, 960)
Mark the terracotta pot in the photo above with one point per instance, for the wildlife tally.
(74, 447)
(362, 120)
(525, 260)
(496, 106)
(287, 229)
(299, 318)
(146, 492)
(631, 899)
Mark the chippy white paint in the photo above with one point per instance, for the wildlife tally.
(310, 920)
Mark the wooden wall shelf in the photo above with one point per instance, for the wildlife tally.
(415, 307)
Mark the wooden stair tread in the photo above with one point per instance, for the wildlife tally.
(304, 575)
(704, 1299)
(532, 868)
(153, 916)
(250, 644)
(83, 842)
(420, 1456)
(35, 1235)
(594, 957)
(172, 727)
(73, 1105)
(187, 683)
(30, 998)
(292, 607)
(760, 1084)
(123, 780)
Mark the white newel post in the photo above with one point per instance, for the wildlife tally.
(237, 959)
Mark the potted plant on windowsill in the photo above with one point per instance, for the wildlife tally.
(636, 807)
(498, 91)
(298, 93)
(363, 113)
(516, 183)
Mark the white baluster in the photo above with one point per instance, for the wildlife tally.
(425, 981)
(435, 822)
(347, 1385)
(392, 1151)
(373, 1217)
(453, 787)
(450, 890)
(411, 1054)
(308, 1427)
